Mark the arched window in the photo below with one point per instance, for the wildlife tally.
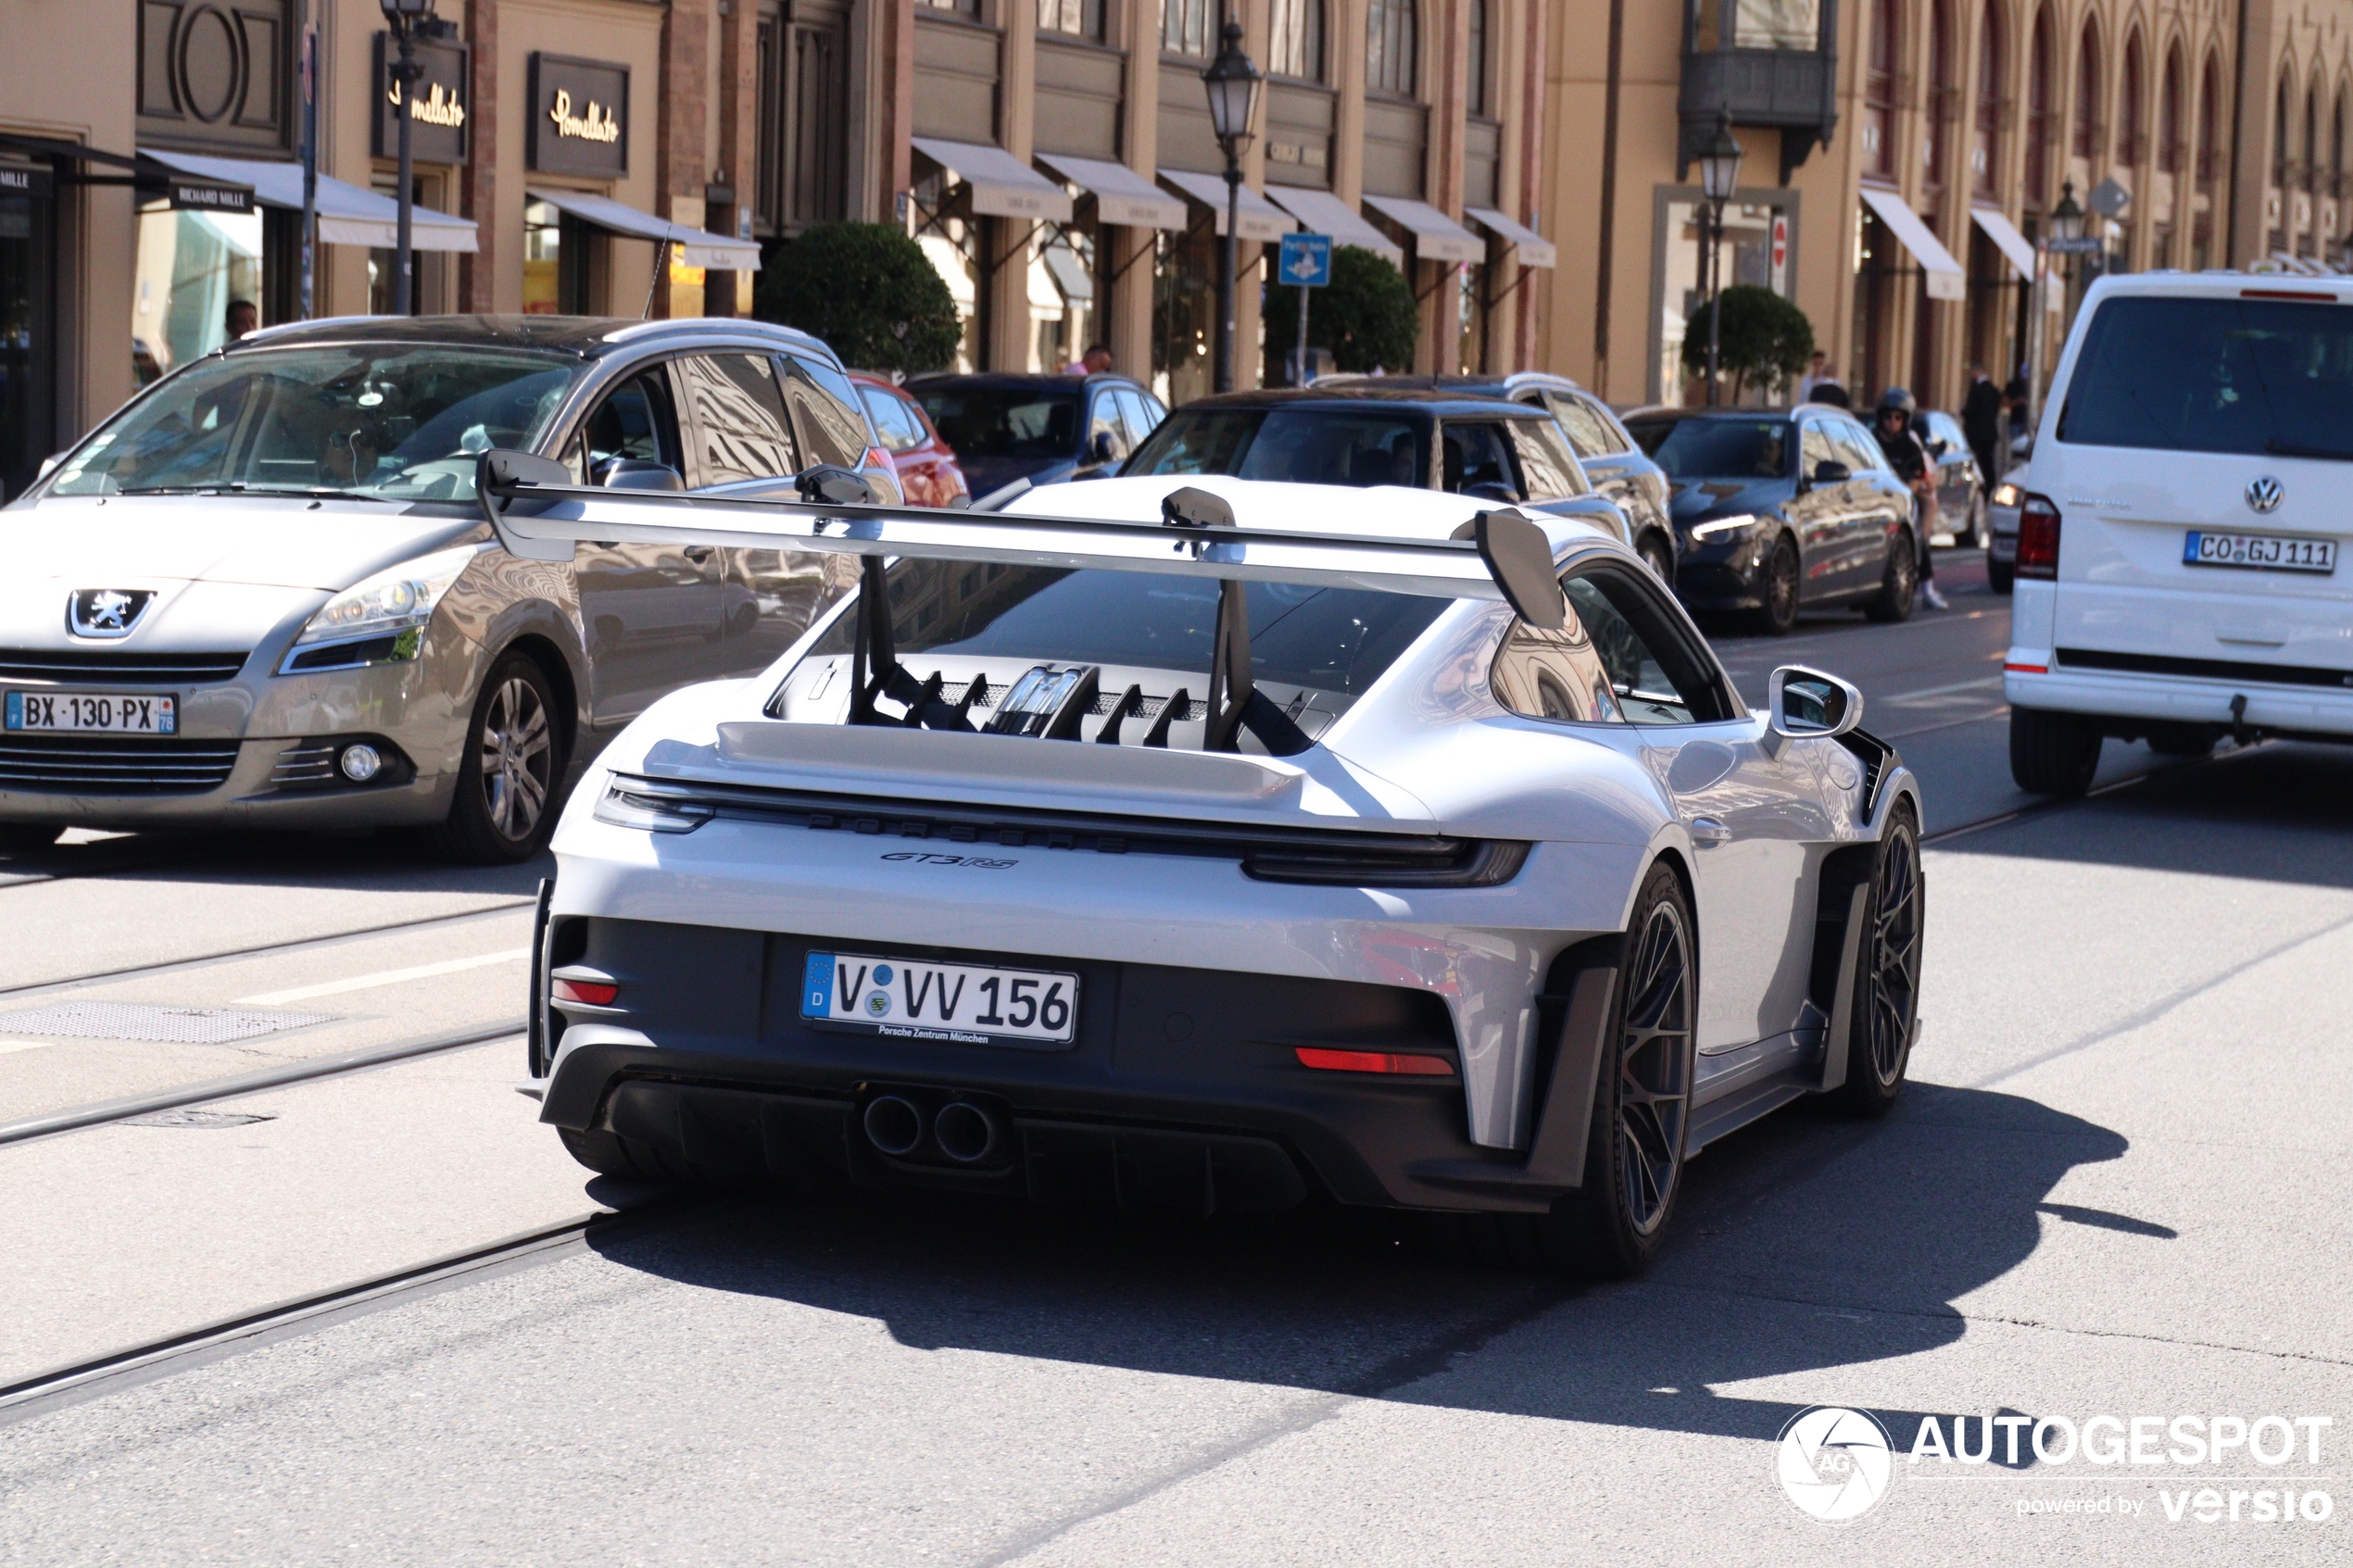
(1879, 91)
(1299, 39)
(2313, 137)
(2040, 111)
(1987, 153)
(2086, 138)
(1936, 148)
(1390, 48)
(1477, 61)
(2168, 114)
(2279, 135)
(2336, 147)
(1186, 27)
(2129, 149)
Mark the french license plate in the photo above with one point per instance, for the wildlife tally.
(2258, 552)
(106, 713)
(966, 1004)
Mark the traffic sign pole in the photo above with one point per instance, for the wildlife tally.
(1306, 260)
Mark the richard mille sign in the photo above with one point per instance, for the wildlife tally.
(579, 117)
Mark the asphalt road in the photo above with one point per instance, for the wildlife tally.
(2117, 1186)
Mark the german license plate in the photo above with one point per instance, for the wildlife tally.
(2258, 552)
(965, 1004)
(106, 713)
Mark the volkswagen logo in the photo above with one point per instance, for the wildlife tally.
(2264, 495)
(107, 613)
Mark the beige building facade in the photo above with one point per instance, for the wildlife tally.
(1902, 160)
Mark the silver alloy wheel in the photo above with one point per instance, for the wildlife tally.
(1896, 929)
(518, 756)
(1654, 1065)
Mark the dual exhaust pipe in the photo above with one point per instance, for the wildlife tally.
(965, 1133)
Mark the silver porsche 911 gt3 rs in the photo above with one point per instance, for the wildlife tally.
(1229, 846)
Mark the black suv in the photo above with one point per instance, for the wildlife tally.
(1043, 428)
(1376, 433)
(1783, 509)
(1614, 462)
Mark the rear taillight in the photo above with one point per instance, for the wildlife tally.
(1406, 1064)
(2038, 537)
(878, 458)
(590, 993)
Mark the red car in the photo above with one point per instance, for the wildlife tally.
(925, 466)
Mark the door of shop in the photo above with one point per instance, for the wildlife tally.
(28, 327)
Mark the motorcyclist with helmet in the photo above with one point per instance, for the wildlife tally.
(1894, 423)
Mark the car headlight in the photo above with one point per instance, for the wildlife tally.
(1715, 530)
(392, 603)
(2006, 494)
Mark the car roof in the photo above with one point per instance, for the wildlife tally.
(1019, 378)
(1382, 510)
(590, 337)
(2215, 284)
(1666, 413)
(1499, 385)
(1335, 399)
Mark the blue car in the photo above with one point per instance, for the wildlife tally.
(1043, 428)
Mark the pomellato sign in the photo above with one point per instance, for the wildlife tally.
(579, 117)
(436, 106)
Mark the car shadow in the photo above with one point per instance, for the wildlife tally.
(380, 861)
(1804, 1243)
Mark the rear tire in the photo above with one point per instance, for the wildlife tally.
(2001, 575)
(24, 838)
(1886, 1004)
(1899, 583)
(1972, 532)
(1659, 558)
(2054, 754)
(509, 775)
(1776, 616)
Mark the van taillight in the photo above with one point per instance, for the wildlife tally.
(2038, 536)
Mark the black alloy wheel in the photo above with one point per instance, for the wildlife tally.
(1886, 1005)
(511, 768)
(1777, 615)
(1900, 583)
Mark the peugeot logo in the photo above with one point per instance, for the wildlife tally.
(107, 613)
(2264, 495)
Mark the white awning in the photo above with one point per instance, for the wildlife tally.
(1122, 195)
(1002, 185)
(1323, 213)
(2005, 238)
(1261, 219)
(1946, 279)
(349, 213)
(698, 247)
(1436, 236)
(1534, 249)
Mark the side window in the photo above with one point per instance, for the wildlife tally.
(737, 416)
(1657, 672)
(1614, 437)
(1138, 415)
(1102, 419)
(1586, 433)
(1544, 457)
(1474, 455)
(826, 412)
(1860, 452)
(1814, 448)
(634, 420)
(898, 432)
(1554, 674)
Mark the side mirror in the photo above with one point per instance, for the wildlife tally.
(49, 466)
(1807, 704)
(1832, 471)
(1100, 448)
(834, 485)
(641, 474)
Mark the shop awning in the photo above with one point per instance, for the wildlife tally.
(1436, 236)
(1324, 213)
(1121, 194)
(151, 178)
(1002, 185)
(349, 213)
(2005, 238)
(1947, 280)
(1261, 219)
(1534, 249)
(698, 247)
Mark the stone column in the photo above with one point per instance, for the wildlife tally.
(1127, 326)
(681, 167)
(1006, 242)
(737, 154)
(478, 182)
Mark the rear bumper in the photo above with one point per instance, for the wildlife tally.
(2182, 699)
(1183, 1088)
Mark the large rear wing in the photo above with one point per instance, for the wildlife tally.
(540, 513)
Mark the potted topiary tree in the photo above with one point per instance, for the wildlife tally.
(868, 290)
(1365, 317)
(1765, 340)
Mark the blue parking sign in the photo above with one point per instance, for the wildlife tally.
(1305, 261)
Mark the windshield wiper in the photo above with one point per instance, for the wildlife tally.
(240, 488)
(2279, 449)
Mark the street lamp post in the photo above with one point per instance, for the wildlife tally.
(1719, 176)
(2065, 226)
(1233, 81)
(407, 20)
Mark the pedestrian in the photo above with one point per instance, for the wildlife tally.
(2016, 396)
(1816, 372)
(1982, 423)
(1096, 361)
(1908, 458)
(242, 318)
(1829, 392)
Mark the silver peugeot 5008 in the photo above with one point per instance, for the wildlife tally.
(264, 594)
